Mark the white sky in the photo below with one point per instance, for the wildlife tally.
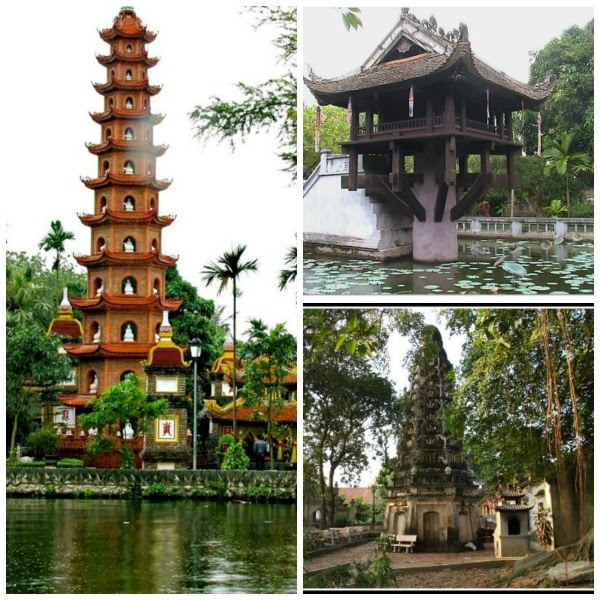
(221, 198)
(502, 37)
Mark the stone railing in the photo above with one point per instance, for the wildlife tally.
(240, 485)
(525, 228)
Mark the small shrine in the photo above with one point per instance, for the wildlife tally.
(418, 108)
(511, 536)
(125, 300)
(432, 494)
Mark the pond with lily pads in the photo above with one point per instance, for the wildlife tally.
(483, 267)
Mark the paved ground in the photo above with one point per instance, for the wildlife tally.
(399, 559)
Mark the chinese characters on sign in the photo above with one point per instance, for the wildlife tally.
(166, 429)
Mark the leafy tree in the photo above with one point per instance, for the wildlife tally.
(334, 131)
(570, 107)
(271, 104)
(524, 405)
(197, 317)
(560, 157)
(235, 458)
(342, 394)
(269, 358)
(43, 441)
(351, 19)
(122, 404)
(228, 268)
(32, 361)
(55, 240)
(289, 275)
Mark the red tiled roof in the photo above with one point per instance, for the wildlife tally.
(364, 493)
(70, 328)
(166, 357)
(77, 399)
(288, 414)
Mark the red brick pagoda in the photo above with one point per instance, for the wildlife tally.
(424, 94)
(125, 299)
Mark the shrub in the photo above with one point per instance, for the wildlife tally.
(72, 463)
(235, 458)
(42, 442)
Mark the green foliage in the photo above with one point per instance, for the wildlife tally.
(50, 491)
(33, 464)
(55, 241)
(120, 404)
(334, 131)
(287, 276)
(159, 491)
(351, 19)
(332, 578)
(570, 107)
(235, 458)
(556, 208)
(72, 463)
(266, 106)
(42, 442)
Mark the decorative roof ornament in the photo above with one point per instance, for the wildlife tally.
(65, 325)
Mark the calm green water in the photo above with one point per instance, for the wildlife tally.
(564, 269)
(118, 546)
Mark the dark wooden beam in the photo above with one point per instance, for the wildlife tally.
(440, 202)
(411, 178)
(509, 125)
(352, 170)
(429, 113)
(376, 186)
(354, 120)
(450, 163)
(397, 167)
(369, 122)
(463, 205)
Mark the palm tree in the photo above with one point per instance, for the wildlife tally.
(229, 267)
(560, 158)
(289, 275)
(55, 240)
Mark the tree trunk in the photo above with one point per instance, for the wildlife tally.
(13, 437)
(323, 492)
(332, 496)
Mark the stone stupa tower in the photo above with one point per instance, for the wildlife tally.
(123, 310)
(432, 493)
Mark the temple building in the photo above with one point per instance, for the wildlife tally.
(123, 310)
(432, 494)
(418, 108)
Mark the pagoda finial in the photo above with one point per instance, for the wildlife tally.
(65, 305)
(166, 330)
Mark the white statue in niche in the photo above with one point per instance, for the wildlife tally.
(128, 204)
(94, 384)
(96, 337)
(128, 336)
(128, 287)
(128, 245)
(100, 289)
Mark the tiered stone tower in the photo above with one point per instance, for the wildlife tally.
(126, 269)
(432, 494)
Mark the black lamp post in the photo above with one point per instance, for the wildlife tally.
(195, 349)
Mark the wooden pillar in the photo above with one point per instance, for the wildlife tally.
(486, 166)
(369, 122)
(450, 166)
(510, 169)
(352, 169)
(354, 121)
(449, 112)
(429, 114)
(397, 167)
(500, 120)
(463, 114)
(463, 165)
(509, 125)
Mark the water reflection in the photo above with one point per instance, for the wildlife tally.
(116, 546)
(566, 268)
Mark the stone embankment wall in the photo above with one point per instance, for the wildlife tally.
(258, 486)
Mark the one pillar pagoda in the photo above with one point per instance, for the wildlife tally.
(432, 494)
(424, 95)
(123, 310)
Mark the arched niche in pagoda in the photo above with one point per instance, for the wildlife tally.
(129, 331)
(98, 286)
(129, 167)
(129, 134)
(129, 286)
(100, 244)
(95, 332)
(129, 204)
(129, 244)
(129, 103)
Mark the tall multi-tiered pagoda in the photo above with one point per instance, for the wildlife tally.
(126, 268)
(424, 95)
(432, 494)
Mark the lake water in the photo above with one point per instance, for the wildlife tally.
(567, 268)
(119, 546)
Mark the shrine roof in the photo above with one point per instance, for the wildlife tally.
(166, 356)
(128, 145)
(126, 216)
(514, 507)
(438, 61)
(106, 257)
(512, 494)
(127, 25)
(77, 399)
(127, 85)
(69, 328)
(111, 178)
(128, 113)
(288, 414)
(117, 55)
(130, 301)
(109, 349)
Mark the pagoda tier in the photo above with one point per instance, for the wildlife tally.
(116, 145)
(108, 258)
(117, 56)
(110, 178)
(127, 26)
(129, 114)
(127, 86)
(107, 349)
(124, 216)
(105, 301)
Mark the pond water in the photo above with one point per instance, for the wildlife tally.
(120, 546)
(567, 268)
